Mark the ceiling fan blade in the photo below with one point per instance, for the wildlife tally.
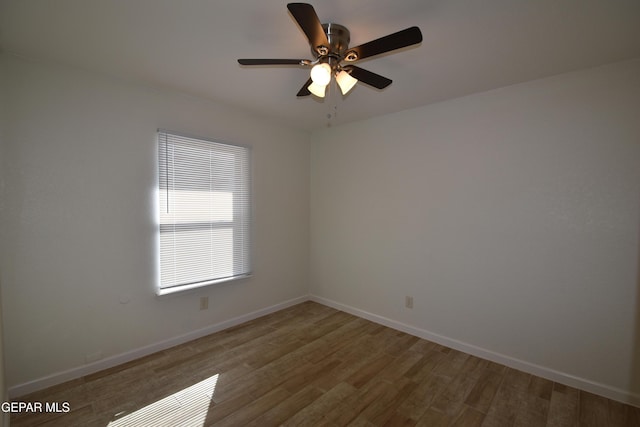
(367, 77)
(304, 91)
(271, 61)
(308, 21)
(394, 41)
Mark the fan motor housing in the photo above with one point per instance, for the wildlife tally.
(338, 37)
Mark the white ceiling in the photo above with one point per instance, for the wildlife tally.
(192, 46)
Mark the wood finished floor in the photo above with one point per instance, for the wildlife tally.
(316, 366)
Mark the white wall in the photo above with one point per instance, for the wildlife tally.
(79, 230)
(511, 217)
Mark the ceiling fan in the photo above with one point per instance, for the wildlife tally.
(332, 56)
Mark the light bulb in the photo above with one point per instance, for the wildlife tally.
(321, 74)
(345, 81)
(317, 90)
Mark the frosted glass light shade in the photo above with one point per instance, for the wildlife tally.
(321, 74)
(317, 90)
(345, 81)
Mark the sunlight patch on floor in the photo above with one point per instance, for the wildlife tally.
(189, 405)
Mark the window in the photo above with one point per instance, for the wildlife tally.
(204, 208)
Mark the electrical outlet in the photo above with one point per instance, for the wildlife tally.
(204, 303)
(408, 302)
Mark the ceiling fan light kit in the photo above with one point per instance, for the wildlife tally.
(332, 56)
(317, 89)
(345, 81)
(321, 74)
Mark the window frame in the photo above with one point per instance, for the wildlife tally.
(234, 224)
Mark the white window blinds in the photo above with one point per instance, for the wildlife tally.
(204, 216)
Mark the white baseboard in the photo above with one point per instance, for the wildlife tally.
(531, 368)
(109, 362)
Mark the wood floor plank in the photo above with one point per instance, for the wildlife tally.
(418, 402)
(432, 418)
(633, 416)
(313, 365)
(38, 419)
(619, 414)
(469, 417)
(337, 339)
(386, 401)
(401, 344)
(594, 410)
(540, 387)
(563, 406)
(81, 416)
(191, 412)
(316, 413)
(253, 409)
(219, 411)
(349, 409)
(452, 398)
(399, 420)
(532, 412)
(287, 408)
(474, 366)
(508, 400)
(423, 346)
(369, 371)
(424, 367)
(483, 391)
(451, 365)
(351, 359)
(309, 374)
(400, 366)
(387, 409)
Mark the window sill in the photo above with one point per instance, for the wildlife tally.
(183, 288)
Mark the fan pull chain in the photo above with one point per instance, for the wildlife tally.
(333, 111)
